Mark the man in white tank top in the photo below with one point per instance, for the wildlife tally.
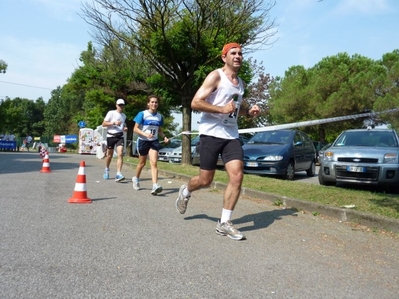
(219, 99)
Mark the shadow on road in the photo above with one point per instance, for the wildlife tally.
(254, 221)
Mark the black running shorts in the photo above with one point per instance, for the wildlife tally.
(144, 146)
(210, 147)
(113, 142)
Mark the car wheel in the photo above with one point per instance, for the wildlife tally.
(312, 170)
(324, 182)
(290, 172)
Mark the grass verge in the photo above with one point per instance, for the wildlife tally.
(378, 203)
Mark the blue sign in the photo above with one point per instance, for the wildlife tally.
(82, 124)
(8, 144)
(71, 139)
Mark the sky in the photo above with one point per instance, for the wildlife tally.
(41, 40)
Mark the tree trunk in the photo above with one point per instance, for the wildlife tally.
(186, 138)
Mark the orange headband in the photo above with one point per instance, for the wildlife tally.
(229, 46)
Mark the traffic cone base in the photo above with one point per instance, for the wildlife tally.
(80, 192)
(79, 200)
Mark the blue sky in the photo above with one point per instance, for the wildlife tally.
(41, 40)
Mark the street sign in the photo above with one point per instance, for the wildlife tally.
(82, 124)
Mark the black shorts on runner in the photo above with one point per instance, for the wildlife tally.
(144, 146)
(211, 147)
(113, 142)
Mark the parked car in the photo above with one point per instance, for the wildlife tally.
(321, 153)
(175, 156)
(362, 156)
(280, 153)
(165, 152)
(195, 156)
(318, 145)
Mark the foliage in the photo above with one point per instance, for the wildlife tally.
(22, 116)
(336, 86)
(180, 40)
(3, 66)
(388, 90)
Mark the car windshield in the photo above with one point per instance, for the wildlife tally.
(367, 138)
(173, 143)
(271, 137)
(195, 140)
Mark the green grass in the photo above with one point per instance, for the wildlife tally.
(378, 203)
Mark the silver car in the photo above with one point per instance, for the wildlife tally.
(362, 156)
(176, 154)
(165, 153)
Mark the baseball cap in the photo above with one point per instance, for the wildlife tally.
(227, 47)
(120, 102)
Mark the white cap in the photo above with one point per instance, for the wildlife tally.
(120, 102)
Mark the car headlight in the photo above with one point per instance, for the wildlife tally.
(390, 158)
(328, 156)
(273, 158)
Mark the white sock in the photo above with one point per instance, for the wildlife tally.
(186, 193)
(226, 215)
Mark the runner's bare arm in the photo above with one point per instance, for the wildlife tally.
(209, 85)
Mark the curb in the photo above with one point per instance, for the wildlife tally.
(342, 214)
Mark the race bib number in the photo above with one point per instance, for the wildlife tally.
(231, 119)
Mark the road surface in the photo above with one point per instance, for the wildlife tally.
(129, 244)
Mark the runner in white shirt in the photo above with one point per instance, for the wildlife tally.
(115, 121)
(219, 99)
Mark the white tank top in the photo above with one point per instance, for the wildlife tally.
(218, 124)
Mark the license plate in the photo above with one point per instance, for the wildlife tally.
(252, 164)
(355, 169)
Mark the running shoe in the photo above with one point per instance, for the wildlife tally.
(156, 189)
(136, 183)
(181, 201)
(227, 229)
(106, 174)
(119, 177)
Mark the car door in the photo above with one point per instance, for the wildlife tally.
(309, 151)
(298, 151)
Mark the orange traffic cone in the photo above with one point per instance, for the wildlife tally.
(80, 192)
(46, 164)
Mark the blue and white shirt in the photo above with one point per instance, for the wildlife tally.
(149, 123)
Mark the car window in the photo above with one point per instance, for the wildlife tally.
(306, 140)
(297, 138)
(367, 138)
(270, 137)
(173, 143)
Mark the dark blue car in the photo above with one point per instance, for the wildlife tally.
(280, 153)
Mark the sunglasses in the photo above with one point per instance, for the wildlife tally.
(121, 105)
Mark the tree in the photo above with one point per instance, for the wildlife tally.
(3, 66)
(257, 93)
(57, 114)
(337, 85)
(22, 116)
(388, 89)
(181, 40)
(115, 71)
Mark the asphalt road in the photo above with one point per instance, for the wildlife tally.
(129, 244)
